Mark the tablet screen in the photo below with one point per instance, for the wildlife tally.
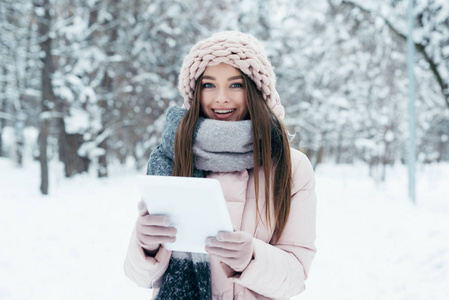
(196, 207)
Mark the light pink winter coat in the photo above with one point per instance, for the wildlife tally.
(279, 269)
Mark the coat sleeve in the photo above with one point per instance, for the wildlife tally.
(285, 264)
(145, 271)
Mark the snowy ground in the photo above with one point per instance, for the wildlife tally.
(372, 243)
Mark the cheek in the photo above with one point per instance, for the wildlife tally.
(205, 99)
(243, 102)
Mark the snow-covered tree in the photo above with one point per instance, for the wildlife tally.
(18, 91)
(340, 66)
(43, 13)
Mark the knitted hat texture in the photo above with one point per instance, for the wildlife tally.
(242, 51)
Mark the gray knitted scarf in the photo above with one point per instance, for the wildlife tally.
(219, 146)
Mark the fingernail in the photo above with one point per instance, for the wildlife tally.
(208, 242)
(166, 221)
(219, 236)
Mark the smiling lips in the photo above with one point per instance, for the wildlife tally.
(223, 111)
(223, 114)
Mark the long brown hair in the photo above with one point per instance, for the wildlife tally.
(270, 146)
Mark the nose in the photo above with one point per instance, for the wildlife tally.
(222, 96)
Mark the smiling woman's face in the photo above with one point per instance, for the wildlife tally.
(223, 94)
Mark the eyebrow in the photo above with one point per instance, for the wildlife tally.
(229, 79)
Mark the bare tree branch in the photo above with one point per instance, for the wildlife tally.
(444, 86)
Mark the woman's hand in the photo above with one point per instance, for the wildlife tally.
(153, 230)
(232, 248)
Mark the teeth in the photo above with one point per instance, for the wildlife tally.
(223, 111)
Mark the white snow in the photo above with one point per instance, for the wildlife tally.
(372, 242)
(77, 122)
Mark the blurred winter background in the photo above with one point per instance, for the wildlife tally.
(84, 85)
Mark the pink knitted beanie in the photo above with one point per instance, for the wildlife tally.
(242, 51)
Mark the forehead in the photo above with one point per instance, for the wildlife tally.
(221, 70)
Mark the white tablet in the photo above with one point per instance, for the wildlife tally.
(196, 207)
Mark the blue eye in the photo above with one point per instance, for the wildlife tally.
(207, 85)
(237, 85)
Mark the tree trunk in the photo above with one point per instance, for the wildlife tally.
(20, 138)
(69, 143)
(68, 148)
(102, 163)
(43, 159)
(63, 150)
(107, 84)
(2, 108)
(44, 25)
(73, 163)
(19, 120)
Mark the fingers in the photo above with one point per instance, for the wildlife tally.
(157, 230)
(214, 243)
(142, 208)
(151, 237)
(234, 249)
(153, 230)
(229, 240)
(146, 240)
(233, 237)
(155, 226)
(222, 252)
(154, 220)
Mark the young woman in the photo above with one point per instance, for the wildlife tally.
(231, 129)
